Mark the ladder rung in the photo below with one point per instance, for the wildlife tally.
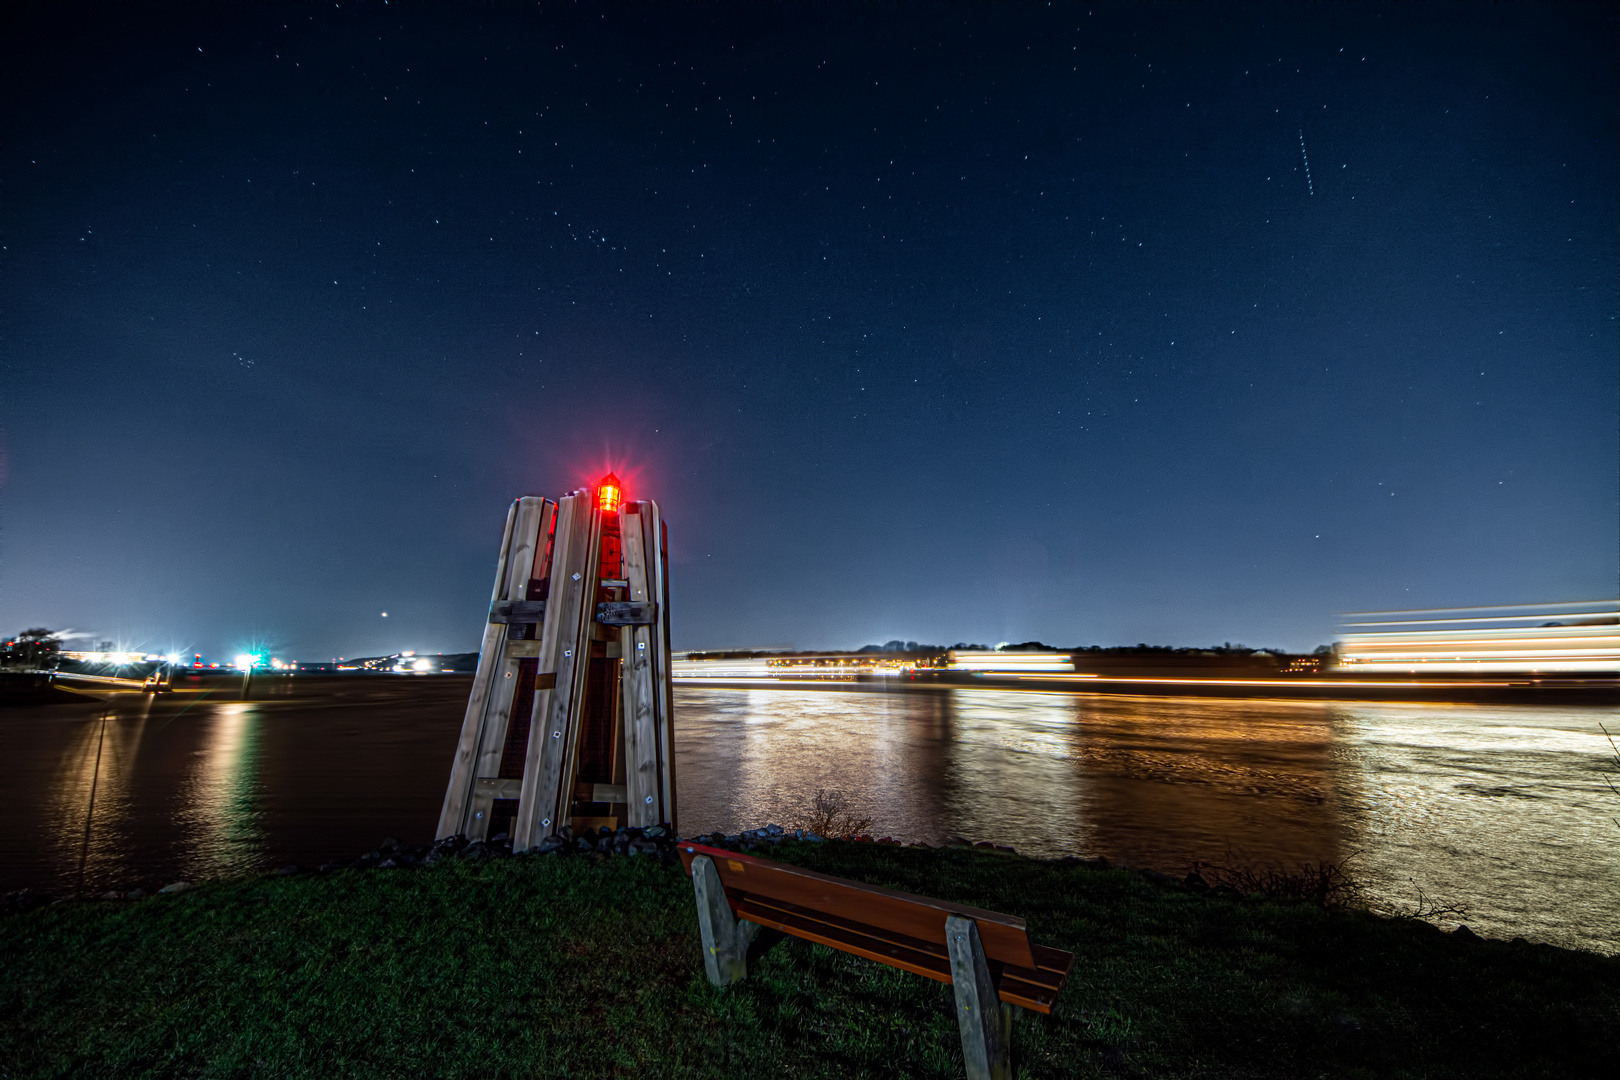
(497, 788)
(585, 791)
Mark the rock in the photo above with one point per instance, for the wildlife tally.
(773, 830)
(1157, 878)
(390, 844)
(289, 871)
(388, 864)
(500, 836)
(1195, 881)
(335, 864)
(114, 895)
(655, 831)
(178, 886)
(582, 844)
(134, 894)
(477, 851)
(24, 900)
(550, 845)
(1462, 933)
(814, 839)
(642, 847)
(566, 832)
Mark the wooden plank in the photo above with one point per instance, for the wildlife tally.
(458, 793)
(497, 788)
(608, 793)
(528, 540)
(640, 701)
(985, 1023)
(656, 541)
(1031, 988)
(517, 611)
(725, 937)
(1006, 938)
(518, 649)
(626, 613)
(565, 651)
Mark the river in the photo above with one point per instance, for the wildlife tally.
(1503, 810)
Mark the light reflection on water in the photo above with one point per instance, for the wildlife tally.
(220, 804)
(1502, 809)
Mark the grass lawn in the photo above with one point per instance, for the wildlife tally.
(578, 966)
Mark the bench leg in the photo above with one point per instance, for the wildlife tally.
(986, 1020)
(725, 937)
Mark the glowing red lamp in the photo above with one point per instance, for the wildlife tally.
(609, 494)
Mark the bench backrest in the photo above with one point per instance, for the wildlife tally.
(1005, 938)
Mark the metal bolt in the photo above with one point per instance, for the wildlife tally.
(556, 734)
(649, 800)
(576, 577)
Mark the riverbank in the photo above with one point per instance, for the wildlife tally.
(585, 965)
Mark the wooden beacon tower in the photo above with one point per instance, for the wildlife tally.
(568, 722)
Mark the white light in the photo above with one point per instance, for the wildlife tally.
(1009, 662)
(1566, 642)
(423, 664)
(244, 661)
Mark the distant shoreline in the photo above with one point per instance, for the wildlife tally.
(1468, 691)
(35, 688)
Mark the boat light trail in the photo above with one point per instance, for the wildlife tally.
(1555, 640)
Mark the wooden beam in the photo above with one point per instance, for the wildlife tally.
(640, 698)
(528, 540)
(657, 553)
(565, 651)
(608, 793)
(496, 788)
(458, 794)
(517, 611)
(984, 1020)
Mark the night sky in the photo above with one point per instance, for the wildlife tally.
(1092, 324)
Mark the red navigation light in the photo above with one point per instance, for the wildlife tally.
(609, 494)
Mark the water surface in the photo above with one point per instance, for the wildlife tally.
(1502, 809)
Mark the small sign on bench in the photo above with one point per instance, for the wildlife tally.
(987, 957)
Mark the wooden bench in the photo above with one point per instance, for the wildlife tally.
(986, 957)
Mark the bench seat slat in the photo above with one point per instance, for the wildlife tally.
(885, 925)
(1031, 988)
(1005, 937)
(868, 945)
